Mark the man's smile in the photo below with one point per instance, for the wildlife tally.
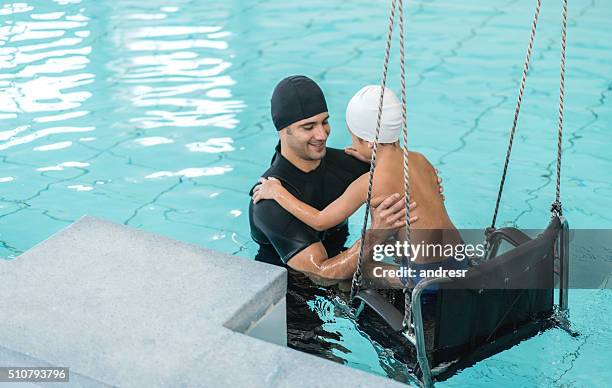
(317, 145)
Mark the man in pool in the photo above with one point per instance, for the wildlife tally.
(436, 229)
(317, 175)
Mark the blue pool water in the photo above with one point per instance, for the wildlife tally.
(155, 114)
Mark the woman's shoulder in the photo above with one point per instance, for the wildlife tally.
(420, 160)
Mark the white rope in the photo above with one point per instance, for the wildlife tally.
(517, 109)
(357, 276)
(556, 207)
(407, 300)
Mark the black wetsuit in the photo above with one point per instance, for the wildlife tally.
(279, 234)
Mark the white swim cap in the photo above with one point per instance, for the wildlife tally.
(362, 113)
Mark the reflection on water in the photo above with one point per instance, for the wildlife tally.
(152, 141)
(130, 94)
(177, 71)
(214, 145)
(36, 48)
(61, 166)
(192, 172)
(43, 133)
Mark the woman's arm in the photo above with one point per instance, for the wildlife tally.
(336, 212)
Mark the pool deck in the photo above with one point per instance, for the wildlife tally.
(123, 307)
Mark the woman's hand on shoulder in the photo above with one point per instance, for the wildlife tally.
(355, 154)
(267, 188)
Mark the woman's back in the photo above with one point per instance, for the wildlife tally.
(434, 225)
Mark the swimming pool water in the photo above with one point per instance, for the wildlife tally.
(155, 114)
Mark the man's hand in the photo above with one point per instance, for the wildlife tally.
(388, 216)
(440, 184)
(391, 213)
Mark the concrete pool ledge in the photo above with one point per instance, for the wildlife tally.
(123, 307)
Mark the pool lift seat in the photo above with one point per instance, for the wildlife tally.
(504, 299)
(475, 322)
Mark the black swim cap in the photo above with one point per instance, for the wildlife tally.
(296, 98)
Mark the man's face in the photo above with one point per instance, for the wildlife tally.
(306, 139)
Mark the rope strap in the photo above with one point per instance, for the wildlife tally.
(557, 209)
(357, 276)
(517, 109)
(407, 295)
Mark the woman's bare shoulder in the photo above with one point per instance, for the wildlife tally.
(419, 159)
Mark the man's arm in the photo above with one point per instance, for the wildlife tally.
(313, 260)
